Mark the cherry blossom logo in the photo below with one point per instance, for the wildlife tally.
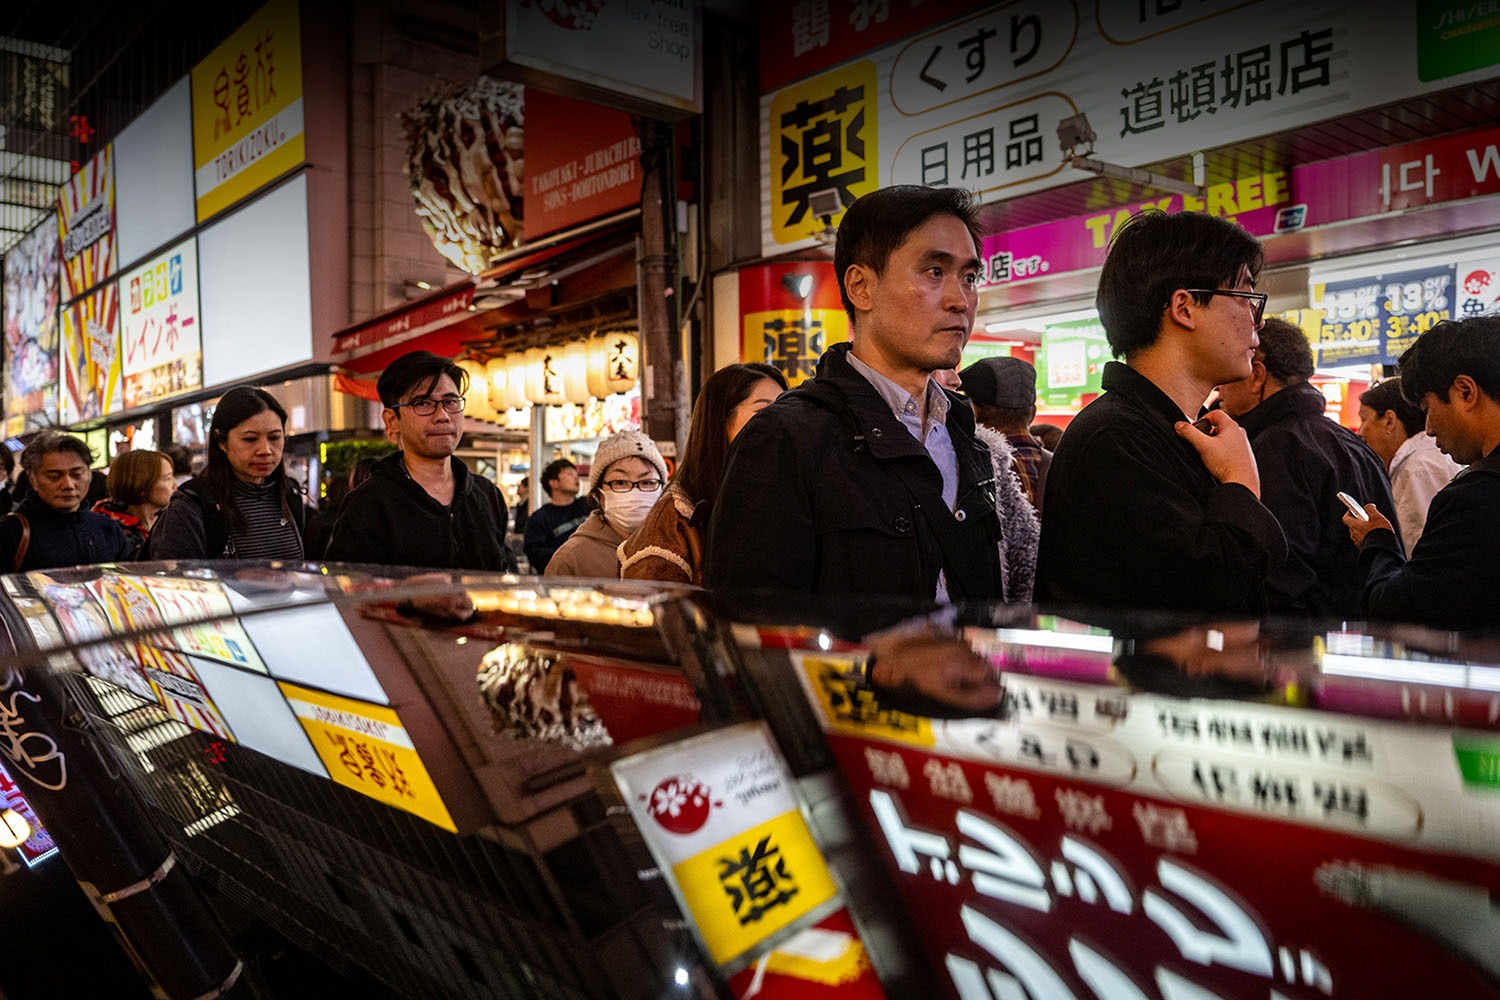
(681, 804)
(1477, 282)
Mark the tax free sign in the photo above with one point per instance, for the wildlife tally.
(975, 103)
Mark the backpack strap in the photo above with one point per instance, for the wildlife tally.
(25, 541)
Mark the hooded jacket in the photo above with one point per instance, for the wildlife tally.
(592, 551)
(75, 538)
(390, 520)
(827, 493)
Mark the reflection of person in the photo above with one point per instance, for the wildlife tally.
(867, 479)
(550, 524)
(1458, 916)
(1143, 509)
(669, 545)
(51, 527)
(421, 505)
(141, 485)
(1453, 373)
(243, 506)
(932, 671)
(627, 476)
(1305, 459)
(1396, 428)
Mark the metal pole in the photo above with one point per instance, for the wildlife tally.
(662, 392)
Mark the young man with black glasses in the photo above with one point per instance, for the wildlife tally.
(422, 506)
(1145, 509)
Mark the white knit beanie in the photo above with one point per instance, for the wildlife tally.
(626, 444)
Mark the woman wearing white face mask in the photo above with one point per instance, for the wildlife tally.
(626, 478)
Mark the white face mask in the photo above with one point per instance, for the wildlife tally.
(626, 512)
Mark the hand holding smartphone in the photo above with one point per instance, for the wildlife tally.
(1354, 506)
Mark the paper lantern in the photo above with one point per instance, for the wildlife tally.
(13, 829)
(476, 400)
(614, 362)
(544, 383)
(495, 372)
(515, 381)
(575, 372)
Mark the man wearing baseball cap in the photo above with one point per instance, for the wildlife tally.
(1003, 393)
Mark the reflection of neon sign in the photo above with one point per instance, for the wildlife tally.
(38, 845)
(1204, 922)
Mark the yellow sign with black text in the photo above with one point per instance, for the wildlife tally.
(247, 109)
(364, 747)
(823, 138)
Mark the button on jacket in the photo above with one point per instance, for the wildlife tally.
(1134, 520)
(827, 493)
(391, 520)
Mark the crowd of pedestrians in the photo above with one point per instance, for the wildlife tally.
(1204, 479)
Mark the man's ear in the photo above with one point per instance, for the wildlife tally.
(1180, 308)
(859, 284)
(389, 417)
(1465, 392)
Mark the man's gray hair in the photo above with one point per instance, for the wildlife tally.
(49, 443)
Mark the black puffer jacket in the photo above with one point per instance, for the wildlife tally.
(391, 520)
(827, 493)
(77, 538)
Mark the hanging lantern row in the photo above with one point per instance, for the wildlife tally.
(605, 364)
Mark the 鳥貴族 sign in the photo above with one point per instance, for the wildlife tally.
(247, 109)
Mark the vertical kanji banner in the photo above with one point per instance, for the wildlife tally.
(86, 225)
(89, 381)
(247, 108)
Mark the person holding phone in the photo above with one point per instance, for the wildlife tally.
(1450, 581)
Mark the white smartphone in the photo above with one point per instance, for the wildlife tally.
(1354, 506)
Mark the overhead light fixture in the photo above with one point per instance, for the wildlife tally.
(800, 285)
(415, 288)
(1077, 137)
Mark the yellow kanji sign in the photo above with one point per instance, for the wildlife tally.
(823, 136)
(850, 707)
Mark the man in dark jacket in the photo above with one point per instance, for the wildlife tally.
(1144, 510)
(1453, 373)
(422, 506)
(554, 522)
(867, 479)
(48, 529)
(1305, 460)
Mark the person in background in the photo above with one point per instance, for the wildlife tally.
(669, 545)
(51, 527)
(1003, 391)
(627, 474)
(1048, 434)
(421, 505)
(243, 506)
(867, 480)
(523, 502)
(7, 470)
(1453, 373)
(1305, 460)
(360, 473)
(550, 524)
(1395, 429)
(1144, 510)
(182, 463)
(141, 484)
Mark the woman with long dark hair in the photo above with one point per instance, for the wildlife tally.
(243, 506)
(669, 545)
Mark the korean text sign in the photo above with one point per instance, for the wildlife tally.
(247, 108)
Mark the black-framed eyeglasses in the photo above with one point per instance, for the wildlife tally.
(625, 485)
(1259, 298)
(427, 406)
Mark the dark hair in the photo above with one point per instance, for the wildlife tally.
(413, 368)
(1386, 395)
(1006, 419)
(1044, 432)
(1285, 352)
(133, 475)
(181, 457)
(1153, 254)
(234, 408)
(1452, 348)
(701, 471)
(50, 443)
(7, 459)
(877, 224)
(363, 469)
(552, 471)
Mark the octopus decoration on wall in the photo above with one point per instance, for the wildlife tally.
(465, 158)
